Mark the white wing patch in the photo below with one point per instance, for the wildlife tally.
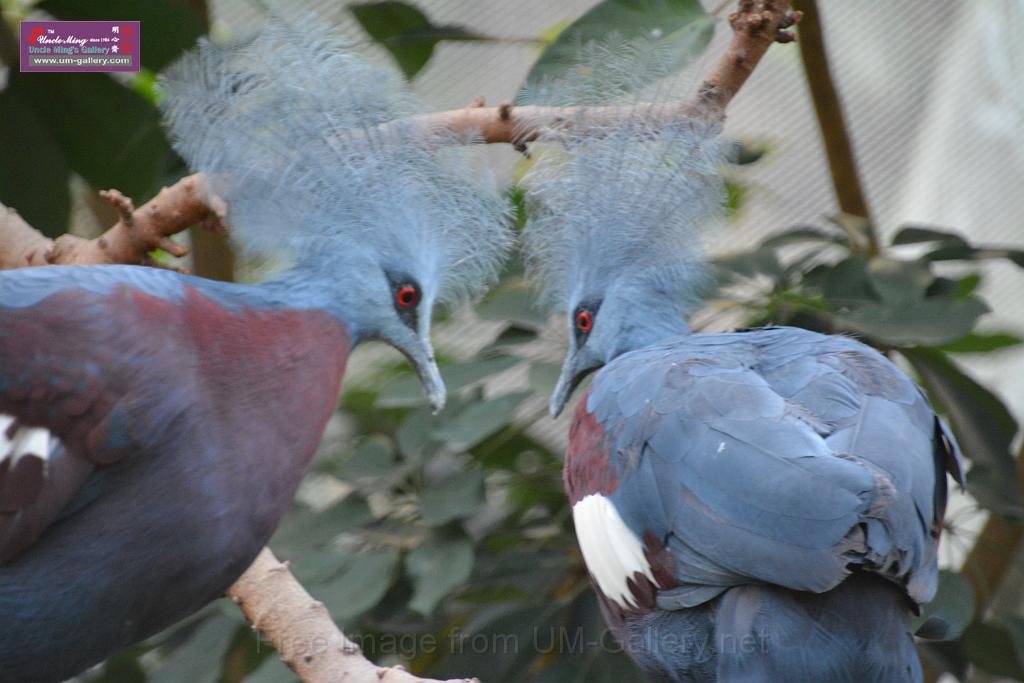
(19, 447)
(24, 441)
(610, 549)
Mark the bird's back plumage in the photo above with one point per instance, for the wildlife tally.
(757, 470)
(183, 424)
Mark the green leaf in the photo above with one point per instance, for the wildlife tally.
(960, 288)
(743, 153)
(451, 499)
(681, 26)
(514, 335)
(413, 436)
(106, 132)
(734, 196)
(899, 282)
(953, 247)
(977, 342)
(407, 391)
(929, 322)
(994, 492)
(271, 670)
(990, 646)
(953, 605)
(478, 421)
(123, 667)
(512, 301)
(750, 264)
(363, 580)
(803, 234)
(847, 281)
(510, 633)
(373, 457)
(195, 660)
(588, 653)
(980, 253)
(543, 376)
(914, 235)
(551, 33)
(463, 375)
(1014, 625)
(856, 228)
(169, 27)
(33, 171)
(144, 84)
(966, 285)
(982, 424)
(437, 566)
(303, 529)
(320, 565)
(406, 32)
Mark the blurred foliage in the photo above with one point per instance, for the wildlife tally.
(450, 547)
(406, 32)
(680, 26)
(91, 124)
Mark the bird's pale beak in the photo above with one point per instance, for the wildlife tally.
(568, 380)
(434, 386)
(430, 376)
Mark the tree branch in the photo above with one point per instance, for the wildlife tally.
(302, 630)
(755, 26)
(993, 553)
(142, 230)
(841, 161)
(130, 240)
(20, 244)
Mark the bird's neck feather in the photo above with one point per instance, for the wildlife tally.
(648, 321)
(299, 289)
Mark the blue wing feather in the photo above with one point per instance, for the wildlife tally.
(779, 455)
(28, 286)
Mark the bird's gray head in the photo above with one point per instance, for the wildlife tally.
(614, 215)
(320, 159)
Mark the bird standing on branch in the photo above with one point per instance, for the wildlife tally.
(155, 426)
(752, 506)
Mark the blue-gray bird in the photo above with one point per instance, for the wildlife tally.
(753, 506)
(154, 426)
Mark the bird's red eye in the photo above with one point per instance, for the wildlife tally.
(407, 296)
(583, 321)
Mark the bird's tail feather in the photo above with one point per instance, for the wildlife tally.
(855, 633)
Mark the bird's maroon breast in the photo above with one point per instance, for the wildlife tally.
(108, 373)
(270, 372)
(627, 566)
(587, 464)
